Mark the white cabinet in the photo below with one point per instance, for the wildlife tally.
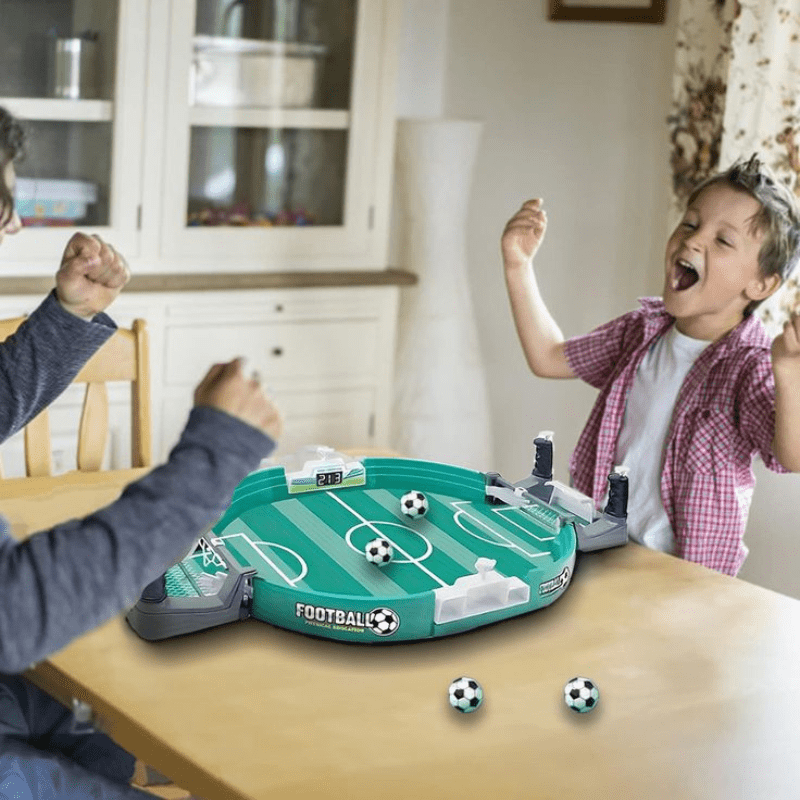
(281, 136)
(93, 141)
(223, 135)
(325, 355)
(217, 156)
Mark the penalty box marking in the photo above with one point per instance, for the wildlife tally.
(505, 513)
(254, 545)
(508, 541)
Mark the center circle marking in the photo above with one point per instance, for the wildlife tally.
(379, 526)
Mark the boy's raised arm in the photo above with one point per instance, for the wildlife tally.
(540, 337)
(786, 369)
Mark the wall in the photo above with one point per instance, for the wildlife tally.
(423, 53)
(574, 113)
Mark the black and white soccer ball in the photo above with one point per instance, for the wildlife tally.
(466, 694)
(379, 551)
(383, 621)
(414, 504)
(581, 695)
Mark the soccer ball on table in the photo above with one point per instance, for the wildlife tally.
(466, 694)
(414, 504)
(581, 695)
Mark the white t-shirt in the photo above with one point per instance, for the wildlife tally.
(640, 447)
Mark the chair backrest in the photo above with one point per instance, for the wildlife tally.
(124, 357)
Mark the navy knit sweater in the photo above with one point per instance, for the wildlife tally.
(63, 582)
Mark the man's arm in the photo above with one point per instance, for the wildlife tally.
(61, 583)
(49, 349)
(540, 337)
(39, 361)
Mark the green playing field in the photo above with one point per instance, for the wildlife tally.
(312, 575)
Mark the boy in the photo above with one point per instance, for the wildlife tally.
(688, 391)
(61, 583)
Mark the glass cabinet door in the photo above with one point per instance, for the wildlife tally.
(59, 73)
(274, 121)
(286, 54)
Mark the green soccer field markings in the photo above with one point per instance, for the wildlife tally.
(378, 532)
(506, 514)
(254, 544)
(506, 542)
(460, 511)
(428, 549)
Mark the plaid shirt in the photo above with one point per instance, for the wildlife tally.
(724, 415)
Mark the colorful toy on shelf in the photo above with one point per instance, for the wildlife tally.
(290, 550)
(241, 215)
(41, 202)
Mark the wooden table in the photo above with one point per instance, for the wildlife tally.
(698, 675)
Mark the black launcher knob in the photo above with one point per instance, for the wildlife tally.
(543, 461)
(156, 591)
(617, 505)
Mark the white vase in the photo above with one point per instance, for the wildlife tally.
(441, 410)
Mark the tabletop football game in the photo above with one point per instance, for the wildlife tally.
(375, 550)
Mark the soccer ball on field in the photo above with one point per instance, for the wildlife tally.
(379, 551)
(414, 504)
(581, 695)
(466, 694)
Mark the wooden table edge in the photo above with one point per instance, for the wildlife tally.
(132, 736)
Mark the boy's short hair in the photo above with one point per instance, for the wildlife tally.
(779, 217)
(12, 148)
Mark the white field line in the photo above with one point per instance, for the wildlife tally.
(506, 512)
(508, 543)
(290, 581)
(399, 549)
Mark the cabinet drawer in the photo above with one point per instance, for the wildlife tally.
(341, 419)
(327, 349)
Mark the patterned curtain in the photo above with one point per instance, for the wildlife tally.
(736, 91)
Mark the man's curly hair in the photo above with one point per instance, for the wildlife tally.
(778, 219)
(12, 148)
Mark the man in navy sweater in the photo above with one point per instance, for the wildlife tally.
(63, 582)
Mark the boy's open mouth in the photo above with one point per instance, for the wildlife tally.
(684, 275)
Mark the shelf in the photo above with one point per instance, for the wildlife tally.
(56, 110)
(223, 117)
(232, 281)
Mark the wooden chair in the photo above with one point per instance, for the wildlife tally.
(124, 357)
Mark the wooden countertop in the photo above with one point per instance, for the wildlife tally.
(198, 282)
